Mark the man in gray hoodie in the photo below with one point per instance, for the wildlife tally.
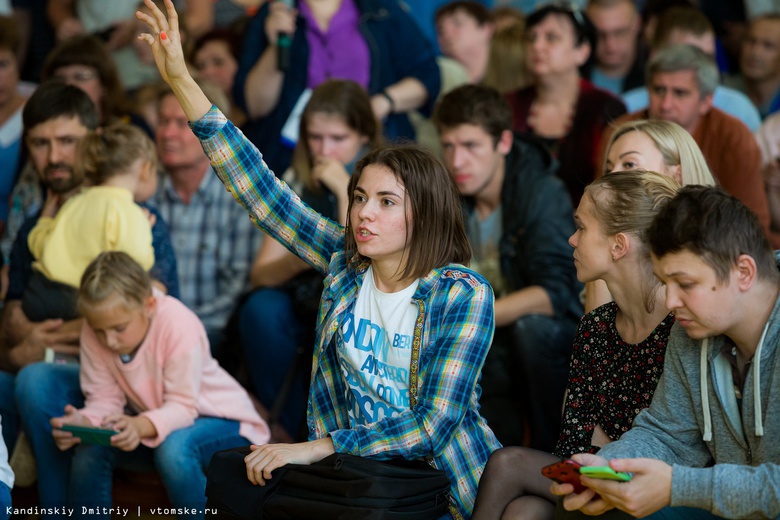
(708, 444)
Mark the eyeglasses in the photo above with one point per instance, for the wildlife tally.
(81, 76)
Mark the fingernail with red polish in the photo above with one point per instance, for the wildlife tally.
(163, 36)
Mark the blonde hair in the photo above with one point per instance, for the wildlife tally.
(506, 69)
(676, 146)
(110, 273)
(627, 202)
(113, 150)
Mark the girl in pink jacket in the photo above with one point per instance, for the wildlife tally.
(148, 374)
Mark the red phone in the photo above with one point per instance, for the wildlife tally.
(565, 472)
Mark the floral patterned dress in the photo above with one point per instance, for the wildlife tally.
(610, 381)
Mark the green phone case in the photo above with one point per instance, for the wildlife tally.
(604, 472)
(91, 434)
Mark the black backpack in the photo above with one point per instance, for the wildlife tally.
(340, 486)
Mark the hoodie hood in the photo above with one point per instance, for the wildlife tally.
(722, 372)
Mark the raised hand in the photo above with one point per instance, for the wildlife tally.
(165, 41)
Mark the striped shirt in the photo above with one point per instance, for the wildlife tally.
(454, 330)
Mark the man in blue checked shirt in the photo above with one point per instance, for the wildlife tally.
(213, 239)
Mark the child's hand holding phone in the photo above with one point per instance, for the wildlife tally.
(90, 434)
(64, 439)
(131, 430)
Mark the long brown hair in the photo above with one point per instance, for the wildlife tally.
(438, 231)
(342, 98)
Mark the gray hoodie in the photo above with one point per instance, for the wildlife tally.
(721, 463)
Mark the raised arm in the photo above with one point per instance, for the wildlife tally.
(165, 42)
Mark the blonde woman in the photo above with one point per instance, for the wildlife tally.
(618, 351)
(661, 146)
(652, 145)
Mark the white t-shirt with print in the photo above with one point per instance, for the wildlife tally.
(377, 351)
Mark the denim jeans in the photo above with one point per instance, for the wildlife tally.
(42, 391)
(682, 513)
(667, 513)
(181, 460)
(5, 501)
(8, 409)
(271, 334)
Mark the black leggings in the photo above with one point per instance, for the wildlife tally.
(513, 487)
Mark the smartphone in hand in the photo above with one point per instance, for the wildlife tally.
(565, 472)
(605, 472)
(91, 434)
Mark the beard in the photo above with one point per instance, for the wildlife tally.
(61, 185)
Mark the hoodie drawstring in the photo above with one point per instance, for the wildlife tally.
(758, 423)
(705, 395)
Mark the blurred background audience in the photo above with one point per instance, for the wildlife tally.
(315, 84)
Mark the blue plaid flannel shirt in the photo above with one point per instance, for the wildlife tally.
(456, 307)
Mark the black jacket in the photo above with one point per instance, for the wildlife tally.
(537, 223)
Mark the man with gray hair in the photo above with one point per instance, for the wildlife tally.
(687, 24)
(681, 80)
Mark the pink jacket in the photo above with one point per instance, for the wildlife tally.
(171, 380)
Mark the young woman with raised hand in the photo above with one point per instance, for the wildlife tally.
(618, 352)
(395, 269)
(337, 128)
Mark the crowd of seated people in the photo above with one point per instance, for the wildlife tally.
(525, 103)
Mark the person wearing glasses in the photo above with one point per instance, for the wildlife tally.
(561, 107)
(84, 62)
